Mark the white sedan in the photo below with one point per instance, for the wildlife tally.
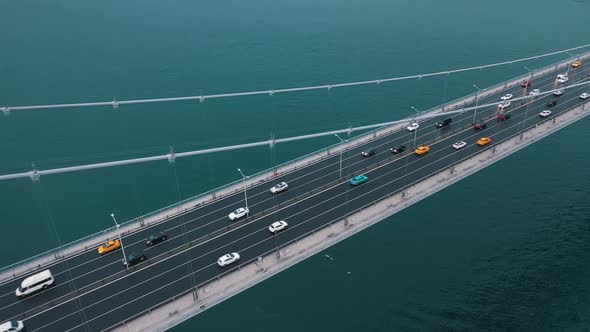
(507, 96)
(535, 92)
(228, 259)
(413, 126)
(545, 113)
(238, 213)
(558, 92)
(279, 187)
(584, 95)
(459, 145)
(562, 80)
(277, 226)
(504, 105)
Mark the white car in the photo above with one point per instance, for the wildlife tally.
(13, 325)
(562, 80)
(560, 76)
(504, 105)
(238, 213)
(277, 226)
(228, 259)
(279, 187)
(535, 92)
(507, 96)
(545, 113)
(459, 145)
(413, 126)
(558, 92)
(584, 95)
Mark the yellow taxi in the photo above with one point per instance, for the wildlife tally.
(422, 149)
(483, 141)
(577, 64)
(109, 246)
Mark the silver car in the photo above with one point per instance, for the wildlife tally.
(279, 187)
(277, 226)
(459, 145)
(228, 259)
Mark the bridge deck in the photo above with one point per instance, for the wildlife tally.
(99, 292)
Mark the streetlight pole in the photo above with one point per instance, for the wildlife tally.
(415, 131)
(120, 240)
(341, 141)
(530, 72)
(569, 63)
(245, 194)
(476, 102)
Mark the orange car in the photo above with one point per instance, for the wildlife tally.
(422, 149)
(577, 64)
(109, 246)
(483, 141)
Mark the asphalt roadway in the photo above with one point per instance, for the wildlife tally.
(94, 293)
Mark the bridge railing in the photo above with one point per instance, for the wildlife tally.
(161, 215)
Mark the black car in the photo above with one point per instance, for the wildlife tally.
(444, 123)
(479, 125)
(134, 258)
(552, 103)
(397, 150)
(368, 153)
(156, 238)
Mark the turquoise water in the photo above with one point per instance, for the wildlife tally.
(505, 250)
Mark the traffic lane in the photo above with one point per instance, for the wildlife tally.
(39, 322)
(269, 203)
(128, 281)
(132, 239)
(82, 279)
(19, 307)
(141, 302)
(136, 276)
(120, 296)
(162, 277)
(489, 110)
(98, 273)
(550, 77)
(158, 281)
(94, 301)
(469, 135)
(466, 151)
(7, 289)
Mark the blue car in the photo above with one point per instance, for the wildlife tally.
(355, 181)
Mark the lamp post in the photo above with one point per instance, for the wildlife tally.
(245, 194)
(476, 102)
(530, 72)
(341, 141)
(120, 240)
(569, 63)
(415, 131)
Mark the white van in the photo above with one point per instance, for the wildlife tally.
(12, 326)
(35, 282)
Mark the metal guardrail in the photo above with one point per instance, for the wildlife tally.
(58, 253)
